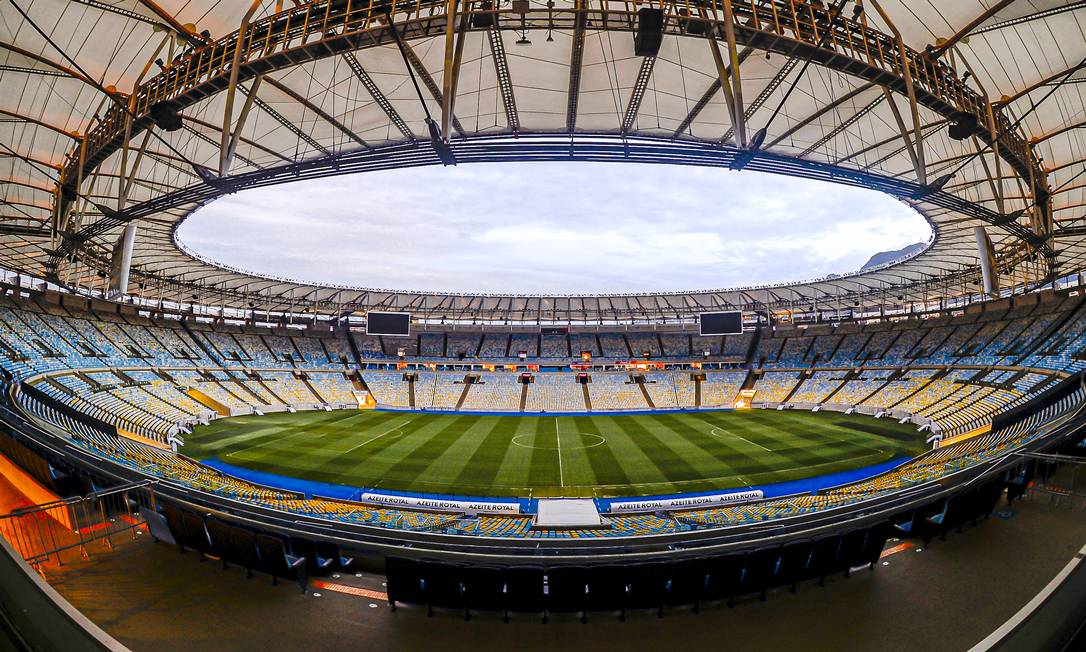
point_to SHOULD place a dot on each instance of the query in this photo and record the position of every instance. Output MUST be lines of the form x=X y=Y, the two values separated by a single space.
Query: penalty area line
x=716 y=433
x=375 y=437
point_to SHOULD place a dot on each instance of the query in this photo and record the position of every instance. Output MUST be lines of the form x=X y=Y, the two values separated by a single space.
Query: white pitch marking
x=715 y=432
x=558 y=436
x=391 y=430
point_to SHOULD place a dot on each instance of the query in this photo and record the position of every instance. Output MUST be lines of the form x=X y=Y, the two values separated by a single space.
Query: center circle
x=593 y=441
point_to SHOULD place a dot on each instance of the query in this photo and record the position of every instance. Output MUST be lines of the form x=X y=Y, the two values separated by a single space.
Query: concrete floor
x=946 y=597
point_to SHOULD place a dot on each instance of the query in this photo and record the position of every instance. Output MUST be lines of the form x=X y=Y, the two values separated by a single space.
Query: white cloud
x=552 y=227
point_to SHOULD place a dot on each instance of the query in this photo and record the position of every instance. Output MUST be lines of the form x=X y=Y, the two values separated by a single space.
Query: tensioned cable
x=97 y=85
x=834 y=11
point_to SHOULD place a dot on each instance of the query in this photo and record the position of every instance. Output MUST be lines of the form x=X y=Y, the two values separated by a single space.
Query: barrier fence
x=51 y=532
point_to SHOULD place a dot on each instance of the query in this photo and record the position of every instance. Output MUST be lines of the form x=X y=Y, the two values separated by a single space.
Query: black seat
x=822 y=559
x=850 y=554
x=441 y=585
x=793 y=564
x=877 y=536
x=647 y=586
x=524 y=590
x=219 y=535
x=331 y=551
x=761 y=568
x=243 y=549
x=195 y=534
x=176 y=523
x=315 y=564
x=607 y=589
x=687 y=582
x=484 y=589
x=275 y=561
x=724 y=576
x=567 y=590
x=403 y=581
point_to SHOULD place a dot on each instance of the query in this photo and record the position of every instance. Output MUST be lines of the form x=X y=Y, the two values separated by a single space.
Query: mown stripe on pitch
x=412 y=467
x=480 y=468
x=605 y=466
x=384 y=461
x=679 y=436
x=670 y=463
x=576 y=467
x=636 y=463
x=543 y=469
x=446 y=464
x=516 y=463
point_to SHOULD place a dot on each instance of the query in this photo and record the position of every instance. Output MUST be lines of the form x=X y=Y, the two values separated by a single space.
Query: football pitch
x=547 y=455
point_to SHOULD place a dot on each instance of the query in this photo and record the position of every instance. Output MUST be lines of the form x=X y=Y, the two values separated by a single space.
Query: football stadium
x=227 y=422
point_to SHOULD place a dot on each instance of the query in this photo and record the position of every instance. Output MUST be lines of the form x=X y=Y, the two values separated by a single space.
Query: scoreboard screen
x=722 y=323
x=396 y=324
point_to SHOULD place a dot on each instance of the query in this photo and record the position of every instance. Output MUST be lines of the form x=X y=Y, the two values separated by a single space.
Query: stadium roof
x=323 y=88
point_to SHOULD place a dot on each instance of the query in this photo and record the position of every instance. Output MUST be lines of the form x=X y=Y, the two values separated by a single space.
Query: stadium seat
x=606 y=591
x=525 y=591
x=724 y=576
x=793 y=564
x=484 y=589
x=275 y=561
x=442 y=586
x=687 y=583
x=195 y=533
x=851 y=552
x=647 y=586
x=218 y=533
x=761 y=567
x=243 y=546
x=157 y=526
x=403 y=581
x=567 y=590
x=821 y=562
x=332 y=551
x=315 y=563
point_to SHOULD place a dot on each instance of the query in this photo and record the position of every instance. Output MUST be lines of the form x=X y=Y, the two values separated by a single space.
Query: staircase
x=587 y=398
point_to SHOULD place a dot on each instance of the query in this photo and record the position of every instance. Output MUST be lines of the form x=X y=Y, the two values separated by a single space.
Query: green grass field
x=553 y=456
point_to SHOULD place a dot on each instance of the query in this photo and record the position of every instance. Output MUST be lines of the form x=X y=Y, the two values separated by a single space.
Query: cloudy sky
x=552 y=227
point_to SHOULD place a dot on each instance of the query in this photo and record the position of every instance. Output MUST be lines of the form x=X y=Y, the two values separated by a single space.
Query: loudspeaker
x=695 y=26
x=650 y=32
x=165 y=116
x=962 y=126
x=483 y=20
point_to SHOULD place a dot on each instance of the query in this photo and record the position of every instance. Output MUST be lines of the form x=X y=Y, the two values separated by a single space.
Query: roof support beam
x=501 y=70
x=576 y=57
x=25 y=118
x=844 y=125
x=910 y=91
x=282 y=120
x=48 y=62
x=323 y=115
x=431 y=85
x=448 y=80
x=1031 y=17
x=377 y=95
x=638 y=93
x=231 y=89
x=735 y=96
x=946 y=44
x=819 y=113
x=169 y=19
x=1052 y=134
x=766 y=92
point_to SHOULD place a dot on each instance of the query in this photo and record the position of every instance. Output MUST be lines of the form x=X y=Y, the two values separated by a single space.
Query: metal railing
x=53 y=532
x=1060 y=478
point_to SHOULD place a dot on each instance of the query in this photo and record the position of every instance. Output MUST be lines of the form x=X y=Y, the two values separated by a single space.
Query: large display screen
x=396 y=324
x=722 y=323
